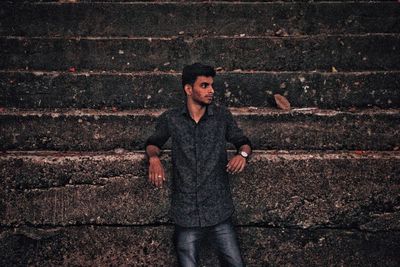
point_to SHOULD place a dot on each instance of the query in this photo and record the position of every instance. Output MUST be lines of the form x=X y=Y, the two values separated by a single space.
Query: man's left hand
x=236 y=164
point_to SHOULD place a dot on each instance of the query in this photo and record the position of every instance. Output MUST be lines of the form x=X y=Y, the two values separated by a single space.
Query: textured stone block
x=152 y=246
x=91 y=130
x=279 y=189
x=87 y=246
x=305 y=53
x=167 y=19
x=163 y=90
x=320 y=189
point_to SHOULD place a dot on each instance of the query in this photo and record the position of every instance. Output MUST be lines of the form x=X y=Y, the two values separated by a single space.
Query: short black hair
x=191 y=72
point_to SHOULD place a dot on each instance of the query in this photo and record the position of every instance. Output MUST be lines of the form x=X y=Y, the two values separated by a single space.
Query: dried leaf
x=282 y=102
x=281 y=33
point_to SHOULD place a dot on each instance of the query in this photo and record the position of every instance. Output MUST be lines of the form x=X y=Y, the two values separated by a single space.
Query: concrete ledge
x=152 y=246
x=306 y=53
x=295 y=189
x=91 y=130
x=37 y=89
x=153 y=19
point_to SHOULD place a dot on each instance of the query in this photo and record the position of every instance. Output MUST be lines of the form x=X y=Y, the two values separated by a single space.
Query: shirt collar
x=209 y=110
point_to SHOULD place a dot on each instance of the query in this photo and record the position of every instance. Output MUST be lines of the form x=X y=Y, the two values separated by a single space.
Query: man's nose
x=211 y=89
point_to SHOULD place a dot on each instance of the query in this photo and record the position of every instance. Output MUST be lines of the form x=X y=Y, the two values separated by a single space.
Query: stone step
x=152 y=246
x=305 y=53
x=91 y=130
x=126 y=90
x=295 y=189
x=171 y=19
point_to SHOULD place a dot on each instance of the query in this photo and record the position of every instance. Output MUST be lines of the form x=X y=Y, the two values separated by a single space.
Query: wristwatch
x=244 y=154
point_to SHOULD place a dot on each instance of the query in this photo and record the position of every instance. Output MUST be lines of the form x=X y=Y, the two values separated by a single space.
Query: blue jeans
x=222 y=236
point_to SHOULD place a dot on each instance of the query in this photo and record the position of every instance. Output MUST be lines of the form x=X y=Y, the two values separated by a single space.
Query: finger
x=163 y=174
x=232 y=164
x=156 y=182
x=151 y=177
x=159 y=179
x=242 y=166
x=154 y=179
x=228 y=167
x=236 y=166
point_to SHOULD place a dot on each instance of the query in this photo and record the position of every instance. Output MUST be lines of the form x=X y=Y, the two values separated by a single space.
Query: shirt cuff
x=152 y=142
x=241 y=142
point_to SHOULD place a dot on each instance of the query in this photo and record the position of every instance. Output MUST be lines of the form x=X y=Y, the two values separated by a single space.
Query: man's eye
x=203 y=85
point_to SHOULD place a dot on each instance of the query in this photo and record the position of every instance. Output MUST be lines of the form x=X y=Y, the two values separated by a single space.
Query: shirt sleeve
x=161 y=134
x=234 y=134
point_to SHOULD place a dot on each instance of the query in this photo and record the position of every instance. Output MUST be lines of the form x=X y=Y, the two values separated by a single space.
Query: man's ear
x=188 y=89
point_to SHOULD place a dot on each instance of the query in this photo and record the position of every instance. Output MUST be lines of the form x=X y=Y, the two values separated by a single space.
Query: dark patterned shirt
x=200 y=193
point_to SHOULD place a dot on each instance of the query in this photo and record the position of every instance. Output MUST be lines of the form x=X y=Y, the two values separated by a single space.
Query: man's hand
x=236 y=164
x=156 y=171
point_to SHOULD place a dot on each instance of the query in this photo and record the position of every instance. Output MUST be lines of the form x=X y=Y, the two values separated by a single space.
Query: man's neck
x=196 y=110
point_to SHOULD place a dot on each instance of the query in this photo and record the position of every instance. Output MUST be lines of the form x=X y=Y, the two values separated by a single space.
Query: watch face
x=244 y=154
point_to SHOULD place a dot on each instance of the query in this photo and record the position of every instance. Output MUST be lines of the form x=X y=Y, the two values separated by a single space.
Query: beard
x=202 y=101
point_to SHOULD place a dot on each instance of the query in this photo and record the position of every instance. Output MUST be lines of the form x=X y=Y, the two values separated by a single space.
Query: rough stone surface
x=152 y=246
x=321 y=190
x=93 y=130
x=121 y=60
x=87 y=246
x=287 y=247
x=168 y=19
x=305 y=53
x=76 y=189
x=163 y=90
x=279 y=189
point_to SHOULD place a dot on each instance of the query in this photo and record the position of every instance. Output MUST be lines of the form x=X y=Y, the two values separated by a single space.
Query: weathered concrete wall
x=82 y=84
x=151 y=246
x=279 y=188
x=55 y=89
x=293 y=208
x=312 y=129
x=155 y=19
x=276 y=129
x=345 y=53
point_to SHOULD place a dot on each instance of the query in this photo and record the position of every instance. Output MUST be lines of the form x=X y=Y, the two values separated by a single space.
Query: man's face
x=202 y=91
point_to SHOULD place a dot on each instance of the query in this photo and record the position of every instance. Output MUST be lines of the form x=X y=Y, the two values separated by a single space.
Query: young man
x=201 y=204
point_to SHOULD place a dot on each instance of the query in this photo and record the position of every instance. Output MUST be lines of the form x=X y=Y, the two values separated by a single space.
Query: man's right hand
x=156 y=171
